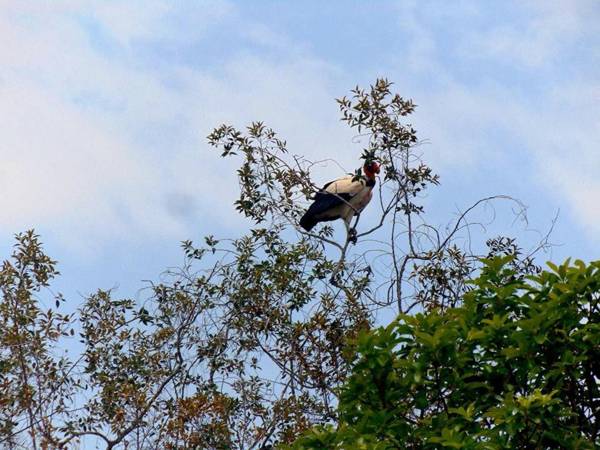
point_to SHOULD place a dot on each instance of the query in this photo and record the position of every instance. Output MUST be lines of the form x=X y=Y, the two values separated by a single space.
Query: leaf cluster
x=515 y=366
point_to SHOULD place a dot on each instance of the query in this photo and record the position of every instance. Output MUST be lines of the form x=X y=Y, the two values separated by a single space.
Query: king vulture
x=342 y=199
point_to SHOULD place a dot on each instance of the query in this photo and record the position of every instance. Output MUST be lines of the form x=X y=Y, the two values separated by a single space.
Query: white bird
x=342 y=199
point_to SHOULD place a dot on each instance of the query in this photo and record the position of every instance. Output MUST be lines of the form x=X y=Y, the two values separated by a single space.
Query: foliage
x=34 y=384
x=246 y=344
x=515 y=366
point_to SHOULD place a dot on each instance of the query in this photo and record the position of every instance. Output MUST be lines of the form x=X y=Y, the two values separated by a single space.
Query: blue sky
x=106 y=105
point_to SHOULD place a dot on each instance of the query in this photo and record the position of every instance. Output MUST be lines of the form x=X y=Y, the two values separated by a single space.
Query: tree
x=35 y=385
x=515 y=366
x=246 y=344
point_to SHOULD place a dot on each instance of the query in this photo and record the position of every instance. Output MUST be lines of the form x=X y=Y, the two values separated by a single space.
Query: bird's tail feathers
x=308 y=221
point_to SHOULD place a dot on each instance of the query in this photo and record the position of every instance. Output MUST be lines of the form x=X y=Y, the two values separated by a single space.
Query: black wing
x=324 y=201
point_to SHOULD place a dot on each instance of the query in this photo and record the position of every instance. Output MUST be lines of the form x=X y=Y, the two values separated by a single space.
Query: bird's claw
x=352 y=236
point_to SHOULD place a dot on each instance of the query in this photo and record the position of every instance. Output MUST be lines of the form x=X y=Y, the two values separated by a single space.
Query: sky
x=106 y=107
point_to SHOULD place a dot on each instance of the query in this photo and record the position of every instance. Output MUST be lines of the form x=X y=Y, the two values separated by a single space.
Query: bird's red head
x=371 y=168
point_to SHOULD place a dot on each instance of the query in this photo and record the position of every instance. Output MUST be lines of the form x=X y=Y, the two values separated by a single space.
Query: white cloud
x=100 y=143
x=564 y=135
x=98 y=147
x=65 y=167
x=470 y=119
x=62 y=168
x=550 y=28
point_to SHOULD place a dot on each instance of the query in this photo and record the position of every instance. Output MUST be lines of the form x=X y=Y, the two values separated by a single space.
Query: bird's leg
x=352 y=235
x=350 y=232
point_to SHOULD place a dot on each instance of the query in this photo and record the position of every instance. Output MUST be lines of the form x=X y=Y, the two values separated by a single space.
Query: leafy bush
x=517 y=365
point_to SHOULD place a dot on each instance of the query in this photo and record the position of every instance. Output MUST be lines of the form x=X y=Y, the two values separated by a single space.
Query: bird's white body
x=359 y=192
x=340 y=199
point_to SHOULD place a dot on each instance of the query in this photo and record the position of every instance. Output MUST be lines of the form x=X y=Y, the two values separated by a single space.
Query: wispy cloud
x=541 y=34
x=515 y=75
x=97 y=142
x=106 y=105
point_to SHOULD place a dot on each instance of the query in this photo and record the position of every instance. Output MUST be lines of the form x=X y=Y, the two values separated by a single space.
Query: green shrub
x=516 y=366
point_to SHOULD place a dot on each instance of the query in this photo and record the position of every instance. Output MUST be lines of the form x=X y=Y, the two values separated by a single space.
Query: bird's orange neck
x=369 y=174
x=371 y=170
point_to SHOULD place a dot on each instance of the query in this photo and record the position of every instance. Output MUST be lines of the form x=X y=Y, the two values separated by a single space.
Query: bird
x=342 y=199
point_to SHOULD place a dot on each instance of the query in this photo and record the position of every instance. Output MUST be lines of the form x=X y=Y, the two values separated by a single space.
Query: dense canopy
x=517 y=365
